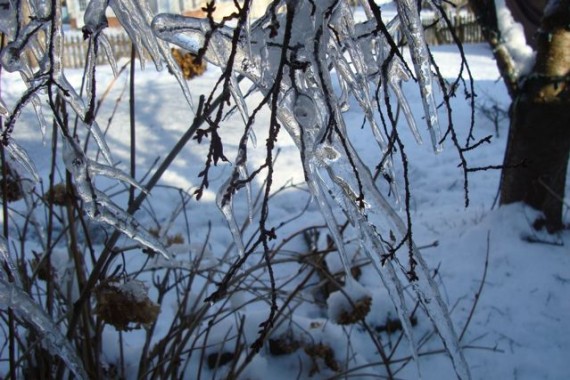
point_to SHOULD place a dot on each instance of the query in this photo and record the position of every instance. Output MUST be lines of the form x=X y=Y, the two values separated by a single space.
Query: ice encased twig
x=98 y=205
x=412 y=25
x=15 y=299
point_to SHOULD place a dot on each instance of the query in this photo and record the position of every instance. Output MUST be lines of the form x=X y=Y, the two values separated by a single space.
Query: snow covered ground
x=520 y=328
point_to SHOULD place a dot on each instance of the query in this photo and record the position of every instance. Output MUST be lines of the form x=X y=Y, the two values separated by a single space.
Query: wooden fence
x=437 y=32
x=75 y=49
x=464 y=24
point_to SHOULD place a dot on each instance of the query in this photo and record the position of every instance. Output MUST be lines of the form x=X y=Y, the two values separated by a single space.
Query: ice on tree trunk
x=289 y=55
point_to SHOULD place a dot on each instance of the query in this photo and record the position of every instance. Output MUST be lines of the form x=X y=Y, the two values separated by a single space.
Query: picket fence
x=75 y=49
x=464 y=24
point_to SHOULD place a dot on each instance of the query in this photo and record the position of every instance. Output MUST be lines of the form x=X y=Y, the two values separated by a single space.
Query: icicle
x=361 y=91
x=15 y=299
x=391 y=282
x=3 y=110
x=396 y=74
x=175 y=69
x=438 y=313
x=89 y=74
x=225 y=195
x=101 y=209
x=20 y=155
x=37 y=104
x=343 y=103
x=129 y=15
x=136 y=18
x=76 y=102
x=56 y=42
x=8 y=263
x=112 y=172
x=409 y=16
x=397 y=71
x=99 y=138
x=224 y=201
x=164 y=50
x=243 y=174
x=238 y=98
x=106 y=46
x=185 y=32
x=318 y=191
x=379 y=216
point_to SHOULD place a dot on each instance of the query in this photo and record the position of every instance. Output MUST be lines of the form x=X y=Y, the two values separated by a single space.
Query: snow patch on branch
x=513 y=38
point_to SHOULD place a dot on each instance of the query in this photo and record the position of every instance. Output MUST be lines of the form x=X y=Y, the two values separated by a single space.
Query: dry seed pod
x=44 y=271
x=12 y=185
x=350 y=305
x=57 y=195
x=324 y=352
x=283 y=345
x=121 y=304
x=358 y=313
x=188 y=63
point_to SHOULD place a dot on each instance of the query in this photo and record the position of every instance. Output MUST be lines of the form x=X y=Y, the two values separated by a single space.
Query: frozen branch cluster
x=289 y=55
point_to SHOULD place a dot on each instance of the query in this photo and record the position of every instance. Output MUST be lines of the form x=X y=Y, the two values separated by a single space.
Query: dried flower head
x=358 y=313
x=57 y=195
x=349 y=305
x=323 y=351
x=188 y=63
x=218 y=359
x=44 y=270
x=283 y=345
x=121 y=304
x=10 y=187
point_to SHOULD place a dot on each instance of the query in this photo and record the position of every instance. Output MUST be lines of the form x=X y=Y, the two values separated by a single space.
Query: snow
x=512 y=35
x=520 y=327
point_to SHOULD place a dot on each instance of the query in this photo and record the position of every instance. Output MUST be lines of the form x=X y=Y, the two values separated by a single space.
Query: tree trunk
x=538 y=148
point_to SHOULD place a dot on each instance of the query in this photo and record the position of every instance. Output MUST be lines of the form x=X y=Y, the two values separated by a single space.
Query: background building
x=76 y=9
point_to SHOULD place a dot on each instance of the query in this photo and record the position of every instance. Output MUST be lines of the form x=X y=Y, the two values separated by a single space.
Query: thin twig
x=478 y=293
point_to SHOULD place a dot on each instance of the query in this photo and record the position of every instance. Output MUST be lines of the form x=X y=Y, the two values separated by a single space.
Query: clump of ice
x=135 y=289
